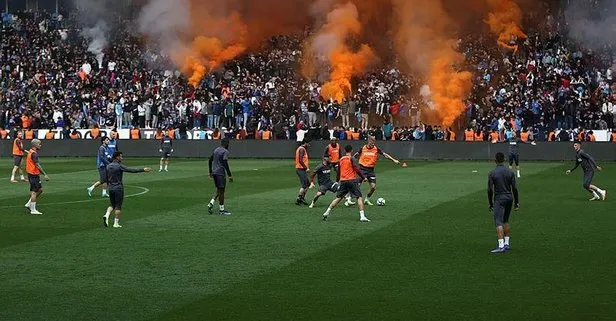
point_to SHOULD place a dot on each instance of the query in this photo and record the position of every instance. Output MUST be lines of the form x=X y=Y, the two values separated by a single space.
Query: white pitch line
x=143 y=191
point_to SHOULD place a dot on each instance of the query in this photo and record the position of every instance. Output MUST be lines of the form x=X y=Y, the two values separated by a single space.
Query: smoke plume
x=332 y=43
x=96 y=18
x=592 y=25
x=201 y=35
x=424 y=39
x=97 y=36
x=505 y=21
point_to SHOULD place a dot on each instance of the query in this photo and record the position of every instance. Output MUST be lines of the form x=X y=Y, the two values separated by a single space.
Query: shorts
x=303 y=178
x=330 y=187
x=369 y=174
x=514 y=158
x=349 y=187
x=165 y=153
x=116 y=198
x=588 y=179
x=502 y=211
x=102 y=175
x=220 y=181
x=35 y=183
x=17 y=160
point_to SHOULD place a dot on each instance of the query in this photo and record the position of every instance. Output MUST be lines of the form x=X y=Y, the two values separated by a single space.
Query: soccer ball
x=380 y=202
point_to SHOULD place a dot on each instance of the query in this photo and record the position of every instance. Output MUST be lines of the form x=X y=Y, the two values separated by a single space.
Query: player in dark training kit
x=502 y=195
x=588 y=166
x=323 y=174
x=115 y=173
x=219 y=166
x=514 y=153
x=165 y=149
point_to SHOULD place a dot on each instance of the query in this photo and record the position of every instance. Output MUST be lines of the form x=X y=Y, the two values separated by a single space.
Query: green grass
x=424 y=256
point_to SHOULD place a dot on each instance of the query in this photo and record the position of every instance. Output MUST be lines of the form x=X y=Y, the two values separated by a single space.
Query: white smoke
x=97 y=36
x=165 y=21
x=592 y=25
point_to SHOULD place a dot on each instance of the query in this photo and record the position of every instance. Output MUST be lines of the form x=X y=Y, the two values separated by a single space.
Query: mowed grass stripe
x=436 y=265
x=181 y=255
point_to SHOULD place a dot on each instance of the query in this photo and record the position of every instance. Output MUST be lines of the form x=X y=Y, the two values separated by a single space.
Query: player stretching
x=219 y=166
x=18 y=155
x=166 y=148
x=588 y=166
x=368 y=157
x=115 y=171
x=514 y=153
x=348 y=176
x=502 y=195
x=302 y=168
x=34 y=170
x=103 y=159
x=323 y=173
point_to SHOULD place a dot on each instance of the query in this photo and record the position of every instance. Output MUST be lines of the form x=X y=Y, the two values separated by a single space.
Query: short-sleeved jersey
x=166 y=143
x=220 y=155
x=323 y=173
x=369 y=156
x=513 y=145
x=18 y=147
x=31 y=162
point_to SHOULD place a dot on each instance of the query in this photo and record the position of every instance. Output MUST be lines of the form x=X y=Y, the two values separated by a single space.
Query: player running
x=368 y=157
x=502 y=195
x=18 y=155
x=34 y=170
x=219 y=166
x=348 y=177
x=301 y=169
x=166 y=148
x=323 y=174
x=103 y=158
x=514 y=153
x=588 y=166
x=115 y=171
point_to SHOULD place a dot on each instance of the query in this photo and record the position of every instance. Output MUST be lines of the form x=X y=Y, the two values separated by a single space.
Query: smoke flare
x=424 y=39
x=505 y=20
x=331 y=42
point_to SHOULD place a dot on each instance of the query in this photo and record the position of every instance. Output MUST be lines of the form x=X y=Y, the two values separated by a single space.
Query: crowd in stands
x=550 y=87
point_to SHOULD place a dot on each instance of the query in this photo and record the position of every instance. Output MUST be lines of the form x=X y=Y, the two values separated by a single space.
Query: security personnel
x=469 y=135
x=135 y=133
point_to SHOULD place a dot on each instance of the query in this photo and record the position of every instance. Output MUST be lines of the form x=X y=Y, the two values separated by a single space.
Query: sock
x=348 y=197
x=367 y=199
x=506 y=240
x=166 y=167
x=116 y=221
x=29 y=202
x=212 y=201
x=518 y=172
x=595 y=194
x=12 y=177
x=104 y=192
x=108 y=213
x=329 y=210
x=222 y=207
x=33 y=206
x=161 y=167
x=362 y=214
x=21 y=177
x=91 y=187
x=501 y=243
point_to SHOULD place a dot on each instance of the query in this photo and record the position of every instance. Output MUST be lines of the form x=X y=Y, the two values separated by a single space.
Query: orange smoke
x=424 y=39
x=505 y=20
x=331 y=42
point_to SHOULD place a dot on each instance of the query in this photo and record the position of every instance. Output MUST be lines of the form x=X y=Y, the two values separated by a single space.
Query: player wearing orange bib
x=18 y=154
x=368 y=157
x=34 y=170
x=348 y=174
x=333 y=152
x=301 y=169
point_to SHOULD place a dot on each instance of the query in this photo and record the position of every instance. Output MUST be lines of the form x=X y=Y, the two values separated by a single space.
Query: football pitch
x=425 y=255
